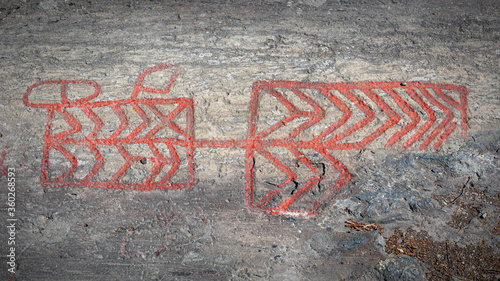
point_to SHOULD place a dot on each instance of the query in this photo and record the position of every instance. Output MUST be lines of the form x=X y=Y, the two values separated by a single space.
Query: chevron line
x=291 y=108
x=143 y=125
x=442 y=125
x=394 y=118
x=451 y=127
x=300 y=156
x=283 y=207
x=344 y=178
x=346 y=115
x=72 y=159
x=315 y=116
x=314 y=180
x=97 y=166
x=71 y=120
x=120 y=113
x=290 y=174
x=159 y=160
x=176 y=161
x=98 y=123
x=430 y=114
x=461 y=106
x=370 y=116
x=406 y=109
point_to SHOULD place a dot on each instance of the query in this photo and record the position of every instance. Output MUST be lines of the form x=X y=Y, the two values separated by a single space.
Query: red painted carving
x=258 y=141
x=57 y=141
x=3 y=169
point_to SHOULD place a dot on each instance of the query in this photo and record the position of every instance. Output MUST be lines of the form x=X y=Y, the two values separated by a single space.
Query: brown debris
x=446 y=261
x=496 y=230
x=362 y=226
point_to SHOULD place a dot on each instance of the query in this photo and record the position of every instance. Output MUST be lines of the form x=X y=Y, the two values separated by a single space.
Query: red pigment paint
x=259 y=142
x=57 y=141
x=255 y=142
x=3 y=169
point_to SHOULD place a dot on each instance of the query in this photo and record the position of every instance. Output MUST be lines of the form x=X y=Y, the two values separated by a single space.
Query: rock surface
x=223 y=47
